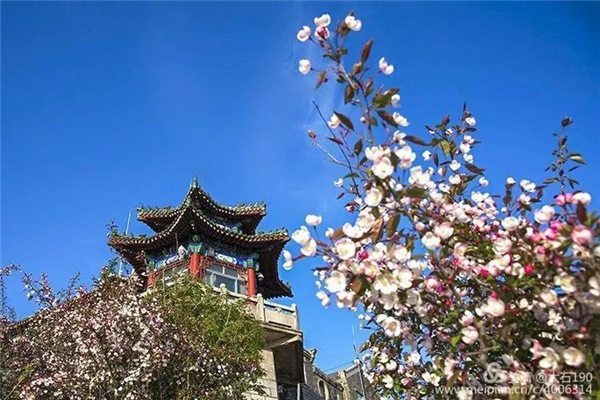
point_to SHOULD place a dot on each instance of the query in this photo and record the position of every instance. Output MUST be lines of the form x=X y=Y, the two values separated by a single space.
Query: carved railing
x=269 y=312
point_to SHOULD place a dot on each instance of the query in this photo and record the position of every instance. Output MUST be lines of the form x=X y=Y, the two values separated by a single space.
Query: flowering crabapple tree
x=112 y=342
x=450 y=278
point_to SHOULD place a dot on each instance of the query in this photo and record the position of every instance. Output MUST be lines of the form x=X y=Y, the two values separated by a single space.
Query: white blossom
x=582 y=198
x=313 y=220
x=400 y=119
x=334 y=121
x=373 y=197
x=443 y=230
x=323 y=21
x=345 y=248
x=289 y=260
x=310 y=248
x=384 y=67
x=304 y=33
x=494 y=307
x=527 y=185
x=470 y=334
x=431 y=241
x=304 y=66
x=573 y=357
x=510 y=223
x=383 y=168
x=352 y=23
x=301 y=236
x=336 y=282
x=545 y=214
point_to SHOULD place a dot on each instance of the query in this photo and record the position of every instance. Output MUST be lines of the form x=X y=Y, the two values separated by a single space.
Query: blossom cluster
x=114 y=342
x=449 y=276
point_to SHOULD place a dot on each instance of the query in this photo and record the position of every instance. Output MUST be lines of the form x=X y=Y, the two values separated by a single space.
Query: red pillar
x=251 y=283
x=195 y=266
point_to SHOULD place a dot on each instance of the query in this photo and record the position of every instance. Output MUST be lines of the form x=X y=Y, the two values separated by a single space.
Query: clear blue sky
x=106 y=106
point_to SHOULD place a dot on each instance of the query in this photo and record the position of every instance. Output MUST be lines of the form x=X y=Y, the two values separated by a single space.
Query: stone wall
x=350 y=379
x=269 y=381
x=319 y=385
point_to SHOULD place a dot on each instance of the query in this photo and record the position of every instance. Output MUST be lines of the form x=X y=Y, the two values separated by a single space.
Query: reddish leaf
x=387 y=117
x=345 y=120
x=366 y=51
x=415 y=140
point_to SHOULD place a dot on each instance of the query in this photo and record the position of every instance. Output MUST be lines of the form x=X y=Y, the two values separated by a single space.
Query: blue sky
x=107 y=106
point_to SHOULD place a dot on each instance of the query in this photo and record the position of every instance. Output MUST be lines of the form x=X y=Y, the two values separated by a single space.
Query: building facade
x=220 y=245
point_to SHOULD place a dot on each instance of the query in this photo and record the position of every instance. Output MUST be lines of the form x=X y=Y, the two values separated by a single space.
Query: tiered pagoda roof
x=248 y=215
x=199 y=214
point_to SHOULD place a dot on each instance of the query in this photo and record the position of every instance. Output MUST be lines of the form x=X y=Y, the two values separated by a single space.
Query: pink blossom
x=582 y=235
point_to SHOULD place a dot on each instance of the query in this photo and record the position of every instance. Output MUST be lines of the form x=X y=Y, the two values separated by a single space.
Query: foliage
x=111 y=342
x=219 y=350
x=464 y=289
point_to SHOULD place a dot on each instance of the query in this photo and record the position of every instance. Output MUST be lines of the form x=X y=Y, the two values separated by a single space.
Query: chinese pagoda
x=210 y=241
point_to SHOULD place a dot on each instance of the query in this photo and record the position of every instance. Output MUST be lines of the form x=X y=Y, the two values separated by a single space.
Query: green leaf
x=566 y=122
x=338 y=234
x=322 y=78
x=562 y=141
x=377 y=230
x=345 y=120
x=358 y=147
x=454 y=376
x=394 y=159
x=348 y=94
x=474 y=169
x=366 y=51
x=392 y=225
x=364 y=347
x=445 y=146
x=455 y=339
x=381 y=100
x=387 y=117
x=343 y=30
x=359 y=285
x=577 y=158
x=415 y=192
x=581 y=213
x=415 y=140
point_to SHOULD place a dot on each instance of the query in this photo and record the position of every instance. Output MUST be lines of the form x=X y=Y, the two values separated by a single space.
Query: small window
x=217 y=275
x=323 y=390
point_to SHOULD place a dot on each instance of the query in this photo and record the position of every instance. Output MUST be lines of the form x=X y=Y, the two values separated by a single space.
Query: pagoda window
x=218 y=274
